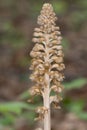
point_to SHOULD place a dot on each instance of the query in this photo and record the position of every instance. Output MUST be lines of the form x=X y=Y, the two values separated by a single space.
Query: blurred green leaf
x=76 y=106
x=77 y=83
x=35 y=10
x=77 y=19
x=15 y=107
x=65 y=44
x=82 y=115
x=82 y=3
x=11 y=110
x=7 y=26
x=8 y=119
x=12 y=35
x=24 y=95
x=60 y=6
x=30 y=116
x=72 y=105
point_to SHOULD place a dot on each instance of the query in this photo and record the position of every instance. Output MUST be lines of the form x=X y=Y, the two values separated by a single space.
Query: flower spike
x=47 y=63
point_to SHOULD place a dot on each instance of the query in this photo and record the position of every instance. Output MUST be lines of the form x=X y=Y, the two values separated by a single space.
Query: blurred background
x=18 y=18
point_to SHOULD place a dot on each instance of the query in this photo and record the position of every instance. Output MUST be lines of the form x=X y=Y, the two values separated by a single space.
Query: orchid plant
x=47 y=64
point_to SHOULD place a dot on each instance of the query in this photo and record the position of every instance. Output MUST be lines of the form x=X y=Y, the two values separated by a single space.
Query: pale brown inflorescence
x=47 y=57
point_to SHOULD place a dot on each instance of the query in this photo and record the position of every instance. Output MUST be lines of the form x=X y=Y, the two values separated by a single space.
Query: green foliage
x=24 y=95
x=82 y=115
x=75 y=84
x=12 y=35
x=60 y=7
x=11 y=110
x=7 y=119
x=82 y=4
x=65 y=44
x=77 y=18
x=36 y=99
x=29 y=115
x=75 y=107
x=15 y=107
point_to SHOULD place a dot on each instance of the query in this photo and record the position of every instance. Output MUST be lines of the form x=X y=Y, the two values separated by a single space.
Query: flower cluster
x=41 y=111
x=47 y=56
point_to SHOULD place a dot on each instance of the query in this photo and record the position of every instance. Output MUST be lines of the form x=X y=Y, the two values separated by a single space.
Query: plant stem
x=47 y=123
x=47 y=118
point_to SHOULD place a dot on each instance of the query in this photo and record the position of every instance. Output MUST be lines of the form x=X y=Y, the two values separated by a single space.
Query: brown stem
x=47 y=118
x=47 y=124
